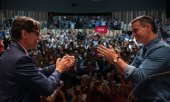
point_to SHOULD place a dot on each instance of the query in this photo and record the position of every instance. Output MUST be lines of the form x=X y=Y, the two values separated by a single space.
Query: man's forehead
x=135 y=25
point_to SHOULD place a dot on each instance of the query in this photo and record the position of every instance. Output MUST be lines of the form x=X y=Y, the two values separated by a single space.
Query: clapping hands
x=65 y=63
x=107 y=53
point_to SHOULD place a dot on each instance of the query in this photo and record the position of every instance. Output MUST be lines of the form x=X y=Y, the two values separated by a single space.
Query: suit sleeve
x=47 y=71
x=30 y=77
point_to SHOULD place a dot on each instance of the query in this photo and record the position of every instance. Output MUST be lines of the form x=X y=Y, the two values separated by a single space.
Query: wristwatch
x=115 y=60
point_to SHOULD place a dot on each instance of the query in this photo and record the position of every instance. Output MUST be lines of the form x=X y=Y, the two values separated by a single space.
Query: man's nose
x=39 y=38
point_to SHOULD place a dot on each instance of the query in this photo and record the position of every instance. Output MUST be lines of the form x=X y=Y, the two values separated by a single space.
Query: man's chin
x=34 y=48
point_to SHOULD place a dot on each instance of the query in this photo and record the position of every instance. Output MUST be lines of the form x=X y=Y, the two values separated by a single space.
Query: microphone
x=159 y=75
x=131 y=98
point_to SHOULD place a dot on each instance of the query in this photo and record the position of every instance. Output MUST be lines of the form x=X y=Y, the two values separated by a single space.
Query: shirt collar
x=26 y=52
x=152 y=42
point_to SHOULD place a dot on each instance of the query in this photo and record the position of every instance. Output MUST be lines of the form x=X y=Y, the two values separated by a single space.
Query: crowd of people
x=84 y=22
x=92 y=78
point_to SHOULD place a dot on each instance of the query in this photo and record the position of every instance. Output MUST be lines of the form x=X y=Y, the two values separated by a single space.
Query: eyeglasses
x=37 y=33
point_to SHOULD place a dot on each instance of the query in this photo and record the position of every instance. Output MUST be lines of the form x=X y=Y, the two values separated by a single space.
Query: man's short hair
x=146 y=20
x=23 y=23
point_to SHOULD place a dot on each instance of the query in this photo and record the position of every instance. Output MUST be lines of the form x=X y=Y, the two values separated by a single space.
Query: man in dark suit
x=20 y=80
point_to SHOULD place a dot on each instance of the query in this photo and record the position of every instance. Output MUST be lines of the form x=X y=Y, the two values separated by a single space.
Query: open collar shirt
x=151 y=59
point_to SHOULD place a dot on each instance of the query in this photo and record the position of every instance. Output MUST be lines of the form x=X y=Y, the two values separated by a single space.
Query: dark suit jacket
x=21 y=81
x=1 y=53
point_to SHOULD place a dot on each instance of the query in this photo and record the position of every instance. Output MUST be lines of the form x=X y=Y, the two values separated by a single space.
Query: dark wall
x=167 y=8
x=83 y=6
x=0 y=4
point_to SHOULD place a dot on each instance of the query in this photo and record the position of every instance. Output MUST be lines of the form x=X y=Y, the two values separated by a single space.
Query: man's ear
x=23 y=33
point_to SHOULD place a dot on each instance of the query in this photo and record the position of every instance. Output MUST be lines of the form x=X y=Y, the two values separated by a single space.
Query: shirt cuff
x=128 y=70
